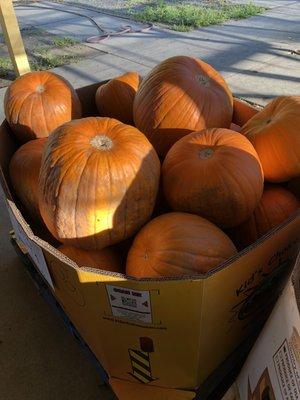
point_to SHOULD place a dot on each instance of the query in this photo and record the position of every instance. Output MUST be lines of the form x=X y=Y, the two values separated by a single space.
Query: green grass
x=184 y=17
x=40 y=60
x=64 y=41
x=44 y=59
x=5 y=63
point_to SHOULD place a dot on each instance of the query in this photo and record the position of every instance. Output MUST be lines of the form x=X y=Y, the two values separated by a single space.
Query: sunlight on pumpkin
x=101 y=219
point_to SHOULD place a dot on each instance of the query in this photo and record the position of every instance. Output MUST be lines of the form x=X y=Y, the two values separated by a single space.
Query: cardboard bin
x=166 y=333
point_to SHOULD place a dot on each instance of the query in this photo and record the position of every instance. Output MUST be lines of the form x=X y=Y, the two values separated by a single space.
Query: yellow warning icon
x=141 y=367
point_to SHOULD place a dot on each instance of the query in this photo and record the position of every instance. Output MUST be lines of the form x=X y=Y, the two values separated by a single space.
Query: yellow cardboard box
x=167 y=333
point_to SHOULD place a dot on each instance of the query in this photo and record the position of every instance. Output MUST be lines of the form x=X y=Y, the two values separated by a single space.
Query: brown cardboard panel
x=86 y=95
x=8 y=146
x=132 y=391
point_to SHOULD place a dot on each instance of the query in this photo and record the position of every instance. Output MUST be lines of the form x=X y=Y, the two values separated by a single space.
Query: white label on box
x=286 y=371
x=131 y=304
x=33 y=249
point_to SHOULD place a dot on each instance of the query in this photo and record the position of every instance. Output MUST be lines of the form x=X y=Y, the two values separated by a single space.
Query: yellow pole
x=13 y=38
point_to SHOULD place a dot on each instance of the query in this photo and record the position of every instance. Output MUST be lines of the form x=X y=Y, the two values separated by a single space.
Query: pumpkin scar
x=101 y=142
x=206 y=153
x=40 y=89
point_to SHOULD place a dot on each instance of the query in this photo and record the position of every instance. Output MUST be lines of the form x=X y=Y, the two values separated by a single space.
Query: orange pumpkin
x=180 y=95
x=105 y=259
x=242 y=111
x=275 y=206
x=98 y=182
x=38 y=102
x=115 y=98
x=214 y=173
x=24 y=169
x=274 y=132
x=178 y=244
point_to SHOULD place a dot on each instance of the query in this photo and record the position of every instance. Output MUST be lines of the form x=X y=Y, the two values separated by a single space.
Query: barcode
x=127 y=301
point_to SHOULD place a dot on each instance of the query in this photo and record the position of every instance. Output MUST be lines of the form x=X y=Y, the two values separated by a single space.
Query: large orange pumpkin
x=181 y=95
x=115 y=98
x=178 y=244
x=24 y=169
x=38 y=102
x=242 y=111
x=274 y=132
x=98 y=182
x=214 y=173
x=105 y=259
x=276 y=205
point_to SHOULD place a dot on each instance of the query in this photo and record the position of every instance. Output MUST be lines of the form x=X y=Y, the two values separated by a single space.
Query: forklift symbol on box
x=140 y=361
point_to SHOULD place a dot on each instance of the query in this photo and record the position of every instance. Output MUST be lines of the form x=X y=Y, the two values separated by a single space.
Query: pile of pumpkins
x=162 y=171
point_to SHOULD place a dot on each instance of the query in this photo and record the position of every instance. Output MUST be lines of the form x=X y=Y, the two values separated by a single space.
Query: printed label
x=33 y=249
x=287 y=374
x=131 y=304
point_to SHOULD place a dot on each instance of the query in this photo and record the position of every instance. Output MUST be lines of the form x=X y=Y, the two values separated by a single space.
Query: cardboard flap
x=135 y=391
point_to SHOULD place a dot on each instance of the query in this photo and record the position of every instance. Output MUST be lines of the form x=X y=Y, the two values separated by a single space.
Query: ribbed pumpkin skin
x=38 y=102
x=275 y=206
x=178 y=244
x=24 y=171
x=115 y=98
x=274 y=132
x=214 y=173
x=181 y=95
x=98 y=182
x=105 y=259
x=242 y=111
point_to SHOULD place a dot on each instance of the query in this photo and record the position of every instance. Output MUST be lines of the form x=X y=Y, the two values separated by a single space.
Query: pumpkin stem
x=206 y=153
x=101 y=142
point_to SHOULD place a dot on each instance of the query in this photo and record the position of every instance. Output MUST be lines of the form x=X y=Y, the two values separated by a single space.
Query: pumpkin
x=98 y=182
x=235 y=127
x=24 y=171
x=180 y=95
x=214 y=173
x=275 y=206
x=38 y=102
x=242 y=111
x=105 y=259
x=115 y=98
x=274 y=132
x=177 y=244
